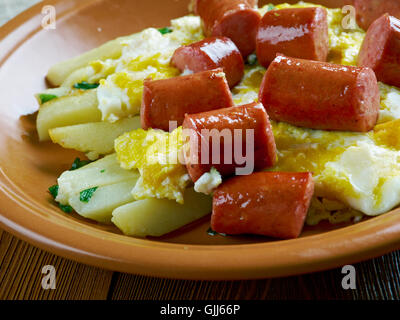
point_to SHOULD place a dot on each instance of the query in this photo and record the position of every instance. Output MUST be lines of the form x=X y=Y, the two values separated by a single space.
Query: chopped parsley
x=85 y=85
x=252 y=59
x=44 y=97
x=66 y=209
x=165 y=30
x=78 y=163
x=213 y=233
x=87 y=194
x=102 y=171
x=54 y=191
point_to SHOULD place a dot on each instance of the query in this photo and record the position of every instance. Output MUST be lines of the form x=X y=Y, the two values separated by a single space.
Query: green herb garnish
x=85 y=85
x=102 y=171
x=66 y=209
x=78 y=163
x=87 y=194
x=271 y=7
x=44 y=97
x=54 y=191
x=213 y=233
x=165 y=30
x=252 y=59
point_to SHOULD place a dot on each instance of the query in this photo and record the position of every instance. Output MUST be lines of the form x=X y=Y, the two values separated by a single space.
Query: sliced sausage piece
x=381 y=50
x=234 y=19
x=226 y=138
x=320 y=95
x=211 y=53
x=299 y=32
x=273 y=204
x=326 y=3
x=170 y=99
x=370 y=10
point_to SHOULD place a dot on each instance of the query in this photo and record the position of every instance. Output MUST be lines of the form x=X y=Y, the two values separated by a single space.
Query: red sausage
x=261 y=152
x=381 y=50
x=300 y=33
x=273 y=204
x=320 y=95
x=370 y=10
x=234 y=19
x=170 y=99
x=211 y=53
x=326 y=3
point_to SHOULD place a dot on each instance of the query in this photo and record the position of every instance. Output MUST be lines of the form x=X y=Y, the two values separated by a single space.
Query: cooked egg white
x=208 y=182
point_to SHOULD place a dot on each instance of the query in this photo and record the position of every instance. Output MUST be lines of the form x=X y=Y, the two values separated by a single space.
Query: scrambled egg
x=158 y=157
x=147 y=55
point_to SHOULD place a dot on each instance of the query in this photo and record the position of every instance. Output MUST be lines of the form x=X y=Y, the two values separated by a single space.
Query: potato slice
x=104 y=201
x=100 y=173
x=155 y=217
x=65 y=111
x=110 y=50
x=97 y=138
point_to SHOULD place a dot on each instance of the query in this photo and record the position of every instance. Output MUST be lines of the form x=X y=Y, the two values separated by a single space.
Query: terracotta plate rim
x=32 y=222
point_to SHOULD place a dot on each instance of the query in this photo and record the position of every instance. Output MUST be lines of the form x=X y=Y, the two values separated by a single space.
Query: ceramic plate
x=28 y=168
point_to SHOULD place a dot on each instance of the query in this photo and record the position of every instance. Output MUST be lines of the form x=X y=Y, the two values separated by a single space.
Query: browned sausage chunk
x=273 y=204
x=381 y=50
x=320 y=95
x=220 y=139
x=234 y=19
x=300 y=33
x=370 y=10
x=211 y=53
x=170 y=99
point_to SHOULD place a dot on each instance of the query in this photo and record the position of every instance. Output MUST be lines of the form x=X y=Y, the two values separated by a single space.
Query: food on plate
x=370 y=10
x=254 y=204
x=170 y=99
x=381 y=50
x=298 y=32
x=320 y=95
x=156 y=217
x=156 y=154
x=329 y=124
x=233 y=140
x=77 y=108
x=94 y=139
x=211 y=53
x=110 y=50
x=235 y=19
